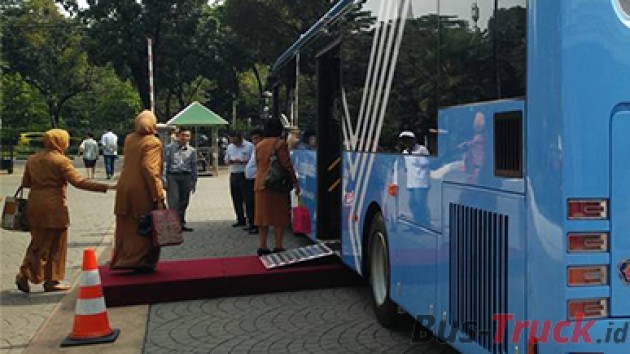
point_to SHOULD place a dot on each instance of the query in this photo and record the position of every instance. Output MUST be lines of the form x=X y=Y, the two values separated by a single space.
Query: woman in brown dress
x=47 y=174
x=139 y=191
x=272 y=207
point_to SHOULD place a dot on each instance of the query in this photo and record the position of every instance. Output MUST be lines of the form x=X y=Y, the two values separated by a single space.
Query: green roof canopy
x=196 y=115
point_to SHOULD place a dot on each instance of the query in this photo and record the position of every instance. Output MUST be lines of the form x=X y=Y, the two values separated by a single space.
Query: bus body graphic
x=484 y=162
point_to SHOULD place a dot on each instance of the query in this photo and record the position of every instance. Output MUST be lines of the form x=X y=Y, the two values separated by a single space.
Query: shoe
x=187 y=229
x=144 y=270
x=22 y=284
x=240 y=223
x=253 y=231
x=276 y=250
x=246 y=228
x=55 y=286
x=263 y=251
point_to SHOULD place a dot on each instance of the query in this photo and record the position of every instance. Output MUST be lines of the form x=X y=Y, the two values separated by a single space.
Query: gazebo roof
x=197 y=115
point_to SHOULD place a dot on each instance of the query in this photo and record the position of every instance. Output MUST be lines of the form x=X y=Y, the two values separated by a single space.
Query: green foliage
x=22 y=107
x=110 y=103
x=44 y=47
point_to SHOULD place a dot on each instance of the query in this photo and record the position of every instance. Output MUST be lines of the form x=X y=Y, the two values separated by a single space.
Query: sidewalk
x=92 y=219
x=320 y=321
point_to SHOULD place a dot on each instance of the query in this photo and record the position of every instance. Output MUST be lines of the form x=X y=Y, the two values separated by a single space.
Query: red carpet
x=219 y=277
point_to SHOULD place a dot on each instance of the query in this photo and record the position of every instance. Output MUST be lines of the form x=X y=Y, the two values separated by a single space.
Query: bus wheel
x=385 y=310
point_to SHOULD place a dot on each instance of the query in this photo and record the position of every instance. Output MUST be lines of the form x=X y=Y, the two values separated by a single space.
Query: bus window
x=482 y=50
x=412 y=104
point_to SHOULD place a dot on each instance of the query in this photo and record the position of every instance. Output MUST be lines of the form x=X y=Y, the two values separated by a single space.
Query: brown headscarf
x=56 y=140
x=146 y=123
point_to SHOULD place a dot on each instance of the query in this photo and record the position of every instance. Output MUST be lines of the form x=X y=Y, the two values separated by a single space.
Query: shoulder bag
x=277 y=178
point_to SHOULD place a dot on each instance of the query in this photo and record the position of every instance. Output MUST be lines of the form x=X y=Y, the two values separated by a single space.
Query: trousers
x=178 y=193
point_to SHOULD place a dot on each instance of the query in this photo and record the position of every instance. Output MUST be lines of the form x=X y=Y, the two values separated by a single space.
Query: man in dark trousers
x=250 y=175
x=237 y=155
x=180 y=174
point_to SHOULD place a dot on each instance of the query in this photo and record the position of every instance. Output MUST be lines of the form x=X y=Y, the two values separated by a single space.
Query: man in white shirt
x=89 y=150
x=250 y=175
x=418 y=174
x=109 y=141
x=237 y=155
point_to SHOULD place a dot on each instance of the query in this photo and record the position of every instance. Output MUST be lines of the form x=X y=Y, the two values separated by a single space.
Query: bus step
x=296 y=255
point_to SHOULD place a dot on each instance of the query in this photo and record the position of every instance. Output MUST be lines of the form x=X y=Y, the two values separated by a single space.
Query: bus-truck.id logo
x=624 y=271
x=539 y=331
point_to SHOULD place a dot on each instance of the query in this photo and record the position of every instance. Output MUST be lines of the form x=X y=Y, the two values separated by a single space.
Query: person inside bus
x=417 y=167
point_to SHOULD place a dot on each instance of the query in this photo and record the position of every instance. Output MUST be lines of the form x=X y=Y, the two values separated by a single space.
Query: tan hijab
x=56 y=140
x=146 y=123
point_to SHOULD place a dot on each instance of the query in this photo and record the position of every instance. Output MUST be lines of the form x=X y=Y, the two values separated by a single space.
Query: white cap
x=407 y=134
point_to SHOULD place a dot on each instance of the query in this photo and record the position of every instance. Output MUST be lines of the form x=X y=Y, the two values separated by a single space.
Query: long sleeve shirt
x=180 y=158
x=238 y=153
x=251 y=167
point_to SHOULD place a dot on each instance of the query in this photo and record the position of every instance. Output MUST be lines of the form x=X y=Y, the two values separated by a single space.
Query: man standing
x=109 y=141
x=89 y=150
x=237 y=155
x=417 y=166
x=180 y=174
x=250 y=177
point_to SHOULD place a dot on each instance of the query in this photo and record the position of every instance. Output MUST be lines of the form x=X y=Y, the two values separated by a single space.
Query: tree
x=22 y=107
x=110 y=103
x=44 y=47
x=186 y=45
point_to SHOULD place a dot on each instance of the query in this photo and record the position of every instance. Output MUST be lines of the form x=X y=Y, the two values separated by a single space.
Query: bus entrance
x=329 y=144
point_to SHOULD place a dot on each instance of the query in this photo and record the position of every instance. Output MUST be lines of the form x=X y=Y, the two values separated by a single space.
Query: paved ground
x=22 y=315
x=321 y=321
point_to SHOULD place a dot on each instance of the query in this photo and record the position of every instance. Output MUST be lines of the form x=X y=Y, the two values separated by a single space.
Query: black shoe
x=187 y=229
x=240 y=223
x=263 y=251
x=253 y=231
x=276 y=250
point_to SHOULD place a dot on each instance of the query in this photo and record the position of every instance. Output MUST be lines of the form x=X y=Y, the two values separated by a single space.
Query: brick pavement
x=22 y=315
x=320 y=321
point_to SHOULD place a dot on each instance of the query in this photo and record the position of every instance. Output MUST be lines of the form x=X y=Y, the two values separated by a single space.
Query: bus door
x=620 y=216
x=328 y=144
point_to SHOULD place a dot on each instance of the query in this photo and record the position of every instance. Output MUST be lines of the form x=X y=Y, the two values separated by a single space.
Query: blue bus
x=472 y=157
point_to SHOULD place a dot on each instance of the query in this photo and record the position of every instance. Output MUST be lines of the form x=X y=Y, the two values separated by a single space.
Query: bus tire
x=385 y=309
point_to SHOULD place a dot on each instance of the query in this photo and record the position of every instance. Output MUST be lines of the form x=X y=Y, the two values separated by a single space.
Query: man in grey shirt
x=180 y=174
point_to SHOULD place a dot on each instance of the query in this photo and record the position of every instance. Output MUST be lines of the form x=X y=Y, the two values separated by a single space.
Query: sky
x=461 y=8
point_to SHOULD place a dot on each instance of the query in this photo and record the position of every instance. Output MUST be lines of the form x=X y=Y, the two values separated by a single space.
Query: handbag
x=277 y=178
x=14 y=212
x=166 y=228
x=301 y=223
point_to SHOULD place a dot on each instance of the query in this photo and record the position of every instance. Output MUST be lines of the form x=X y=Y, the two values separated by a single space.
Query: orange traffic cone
x=91 y=325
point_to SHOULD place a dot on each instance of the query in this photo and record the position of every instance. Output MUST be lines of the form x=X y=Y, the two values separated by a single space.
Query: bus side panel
x=481 y=265
x=364 y=183
x=305 y=165
x=620 y=218
x=466 y=145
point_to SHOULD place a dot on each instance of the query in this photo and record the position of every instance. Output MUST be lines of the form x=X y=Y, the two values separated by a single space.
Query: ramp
x=298 y=255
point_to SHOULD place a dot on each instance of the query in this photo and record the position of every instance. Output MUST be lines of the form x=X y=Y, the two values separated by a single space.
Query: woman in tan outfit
x=139 y=191
x=272 y=207
x=47 y=174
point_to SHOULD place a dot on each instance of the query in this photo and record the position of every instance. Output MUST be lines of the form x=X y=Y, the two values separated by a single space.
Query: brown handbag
x=167 y=229
x=14 y=212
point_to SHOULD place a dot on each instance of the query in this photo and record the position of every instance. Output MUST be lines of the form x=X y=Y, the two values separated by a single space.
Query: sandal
x=55 y=286
x=263 y=252
x=22 y=284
